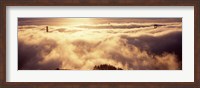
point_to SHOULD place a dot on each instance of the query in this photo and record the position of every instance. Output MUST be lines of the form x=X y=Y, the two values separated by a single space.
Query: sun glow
x=79 y=21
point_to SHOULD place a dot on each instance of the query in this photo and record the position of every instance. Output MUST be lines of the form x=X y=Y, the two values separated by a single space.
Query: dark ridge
x=62 y=69
x=106 y=67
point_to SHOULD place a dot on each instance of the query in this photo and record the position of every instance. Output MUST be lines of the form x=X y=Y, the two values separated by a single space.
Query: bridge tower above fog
x=47 y=29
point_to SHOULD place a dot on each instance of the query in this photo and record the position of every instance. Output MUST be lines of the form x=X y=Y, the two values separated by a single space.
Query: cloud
x=114 y=26
x=171 y=43
x=65 y=48
x=30 y=55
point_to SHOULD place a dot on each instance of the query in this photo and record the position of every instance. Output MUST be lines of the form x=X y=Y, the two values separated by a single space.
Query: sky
x=82 y=43
x=73 y=21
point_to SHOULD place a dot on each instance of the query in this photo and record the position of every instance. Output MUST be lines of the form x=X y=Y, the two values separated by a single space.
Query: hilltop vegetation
x=106 y=67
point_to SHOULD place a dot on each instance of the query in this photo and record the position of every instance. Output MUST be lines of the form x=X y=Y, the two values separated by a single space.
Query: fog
x=130 y=46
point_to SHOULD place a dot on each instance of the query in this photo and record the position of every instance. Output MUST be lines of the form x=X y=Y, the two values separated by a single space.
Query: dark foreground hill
x=106 y=67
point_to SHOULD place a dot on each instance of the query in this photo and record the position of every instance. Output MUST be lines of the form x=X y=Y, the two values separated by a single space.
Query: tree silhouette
x=106 y=67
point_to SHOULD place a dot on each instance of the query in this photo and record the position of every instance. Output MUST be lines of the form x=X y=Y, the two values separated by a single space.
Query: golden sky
x=75 y=21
